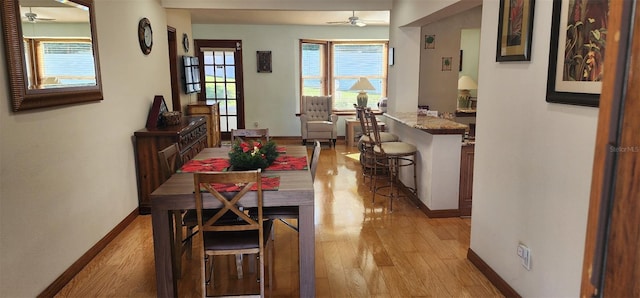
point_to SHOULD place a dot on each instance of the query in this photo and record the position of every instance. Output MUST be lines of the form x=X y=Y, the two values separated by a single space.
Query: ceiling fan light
x=360 y=24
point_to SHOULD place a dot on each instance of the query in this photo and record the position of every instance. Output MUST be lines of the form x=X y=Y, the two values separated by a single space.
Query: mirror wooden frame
x=23 y=98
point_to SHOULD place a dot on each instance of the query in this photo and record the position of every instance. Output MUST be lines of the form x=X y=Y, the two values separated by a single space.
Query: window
x=332 y=67
x=59 y=63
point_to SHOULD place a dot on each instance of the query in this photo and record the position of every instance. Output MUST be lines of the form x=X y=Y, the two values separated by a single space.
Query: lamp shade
x=466 y=83
x=362 y=84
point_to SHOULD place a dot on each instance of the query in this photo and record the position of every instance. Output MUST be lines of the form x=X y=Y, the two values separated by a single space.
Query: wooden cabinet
x=211 y=112
x=191 y=136
x=466 y=179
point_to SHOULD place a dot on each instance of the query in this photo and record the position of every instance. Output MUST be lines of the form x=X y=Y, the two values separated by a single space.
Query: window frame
x=328 y=79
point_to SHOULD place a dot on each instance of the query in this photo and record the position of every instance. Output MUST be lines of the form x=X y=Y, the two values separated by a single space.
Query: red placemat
x=271 y=182
x=215 y=164
x=288 y=163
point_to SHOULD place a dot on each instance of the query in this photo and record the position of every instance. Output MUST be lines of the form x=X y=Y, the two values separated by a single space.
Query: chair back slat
x=232 y=202
x=169 y=160
x=373 y=123
x=315 y=157
x=252 y=133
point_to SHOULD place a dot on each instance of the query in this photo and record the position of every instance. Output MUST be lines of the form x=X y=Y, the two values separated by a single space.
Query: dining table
x=177 y=193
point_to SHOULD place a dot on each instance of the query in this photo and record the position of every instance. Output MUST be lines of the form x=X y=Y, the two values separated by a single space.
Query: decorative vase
x=362 y=99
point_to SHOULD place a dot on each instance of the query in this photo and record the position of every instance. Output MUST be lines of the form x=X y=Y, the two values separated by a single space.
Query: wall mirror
x=51 y=51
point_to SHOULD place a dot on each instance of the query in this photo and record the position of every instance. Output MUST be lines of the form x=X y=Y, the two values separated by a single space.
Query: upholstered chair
x=317 y=119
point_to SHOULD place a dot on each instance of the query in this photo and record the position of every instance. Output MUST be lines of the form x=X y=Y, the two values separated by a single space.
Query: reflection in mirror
x=57 y=44
x=52 y=53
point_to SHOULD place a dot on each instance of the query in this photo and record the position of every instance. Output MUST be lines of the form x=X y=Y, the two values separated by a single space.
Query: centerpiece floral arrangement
x=251 y=155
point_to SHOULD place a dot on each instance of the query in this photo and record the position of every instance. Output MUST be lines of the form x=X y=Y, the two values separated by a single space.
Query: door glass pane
x=208 y=73
x=229 y=58
x=231 y=90
x=210 y=90
x=223 y=124
x=219 y=74
x=208 y=57
x=232 y=108
x=218 y=57
x=220 y=91
x=233 y=122
x=231 y=73
x=223 y=107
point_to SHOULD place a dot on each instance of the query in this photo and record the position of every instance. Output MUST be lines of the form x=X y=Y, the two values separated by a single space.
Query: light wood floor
x=362 y=250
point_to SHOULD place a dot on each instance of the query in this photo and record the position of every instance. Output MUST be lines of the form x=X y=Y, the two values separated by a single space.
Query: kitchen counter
x=439 y=144
x=432 y=125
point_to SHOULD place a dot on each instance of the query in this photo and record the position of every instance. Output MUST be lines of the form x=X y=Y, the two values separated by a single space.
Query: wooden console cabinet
x=191 y=136
x=211 y=112
x=466 y=179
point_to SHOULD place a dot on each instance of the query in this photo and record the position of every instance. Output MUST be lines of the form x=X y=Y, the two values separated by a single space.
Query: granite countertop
x=432 y=125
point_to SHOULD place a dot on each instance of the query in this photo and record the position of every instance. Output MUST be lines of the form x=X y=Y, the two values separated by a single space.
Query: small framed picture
x=264 y=61
x=446 y=63
x=515 y=23
x=430 y=41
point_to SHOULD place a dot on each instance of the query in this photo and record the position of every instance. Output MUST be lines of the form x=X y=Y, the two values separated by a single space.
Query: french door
x=221 y=80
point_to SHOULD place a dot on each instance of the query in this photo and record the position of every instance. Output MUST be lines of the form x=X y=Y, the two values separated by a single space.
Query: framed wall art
x=430 y=41
x=446 y=63
x=577 y=51
x=515 y=23
x=264 y=61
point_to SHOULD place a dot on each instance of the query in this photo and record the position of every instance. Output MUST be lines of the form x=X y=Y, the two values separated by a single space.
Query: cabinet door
x=466 y=180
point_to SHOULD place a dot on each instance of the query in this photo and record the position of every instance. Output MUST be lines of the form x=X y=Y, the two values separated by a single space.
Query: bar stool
x=393 y=155
x=366 y=142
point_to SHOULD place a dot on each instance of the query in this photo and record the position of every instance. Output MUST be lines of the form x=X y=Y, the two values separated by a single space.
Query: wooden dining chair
x=284 y=213
x=169 y=161
x=246 y=235
x=250 y=133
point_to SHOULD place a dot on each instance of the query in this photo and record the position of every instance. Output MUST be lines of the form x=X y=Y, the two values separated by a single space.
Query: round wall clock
x=145 y=36
x=185 y=42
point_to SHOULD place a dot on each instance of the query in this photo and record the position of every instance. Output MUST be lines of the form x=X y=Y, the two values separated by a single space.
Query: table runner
x=216 y=164
x=288 y=163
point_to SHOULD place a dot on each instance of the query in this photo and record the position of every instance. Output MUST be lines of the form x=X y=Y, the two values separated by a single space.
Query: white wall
x=67 y=175
x=533 y=164
x=273 y=99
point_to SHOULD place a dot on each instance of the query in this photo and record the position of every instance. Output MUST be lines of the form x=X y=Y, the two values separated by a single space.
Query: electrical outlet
x=525 y=256
x=255 y=124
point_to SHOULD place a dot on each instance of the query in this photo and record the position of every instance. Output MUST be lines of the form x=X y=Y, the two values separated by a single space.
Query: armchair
x=317 y=119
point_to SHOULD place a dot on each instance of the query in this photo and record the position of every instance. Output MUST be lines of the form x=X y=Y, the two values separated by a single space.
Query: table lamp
x=465 y=83
x=361 y=85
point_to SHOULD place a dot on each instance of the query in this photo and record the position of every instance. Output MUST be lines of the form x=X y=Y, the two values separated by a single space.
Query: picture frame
x=154 y=118
x=264 y=61
x=515 y=26
x=430 y=41
x=575 y=72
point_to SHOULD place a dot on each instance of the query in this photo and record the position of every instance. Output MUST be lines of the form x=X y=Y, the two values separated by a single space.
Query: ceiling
x=59 y=12
x=286 y=17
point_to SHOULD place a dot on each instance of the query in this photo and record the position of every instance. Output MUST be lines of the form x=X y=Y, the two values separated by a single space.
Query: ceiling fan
x=33 y=17
x=353 y=20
